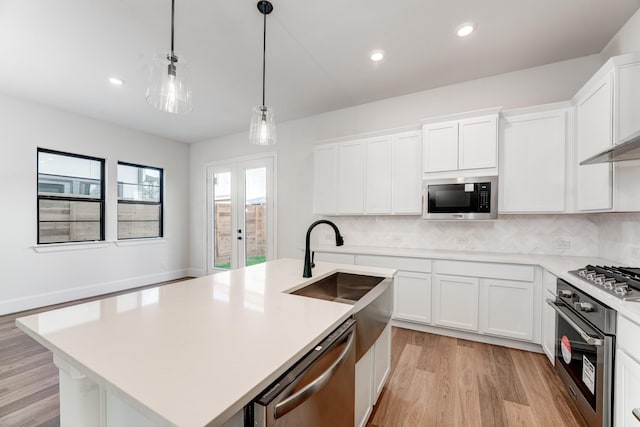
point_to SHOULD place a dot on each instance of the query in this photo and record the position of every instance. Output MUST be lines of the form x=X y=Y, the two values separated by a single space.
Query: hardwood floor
x=441 y=381
x=434 y=381
x=28 y=377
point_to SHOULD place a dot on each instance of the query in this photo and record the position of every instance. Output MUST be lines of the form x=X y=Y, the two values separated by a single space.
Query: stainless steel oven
x=460 y=198
x=585 y=345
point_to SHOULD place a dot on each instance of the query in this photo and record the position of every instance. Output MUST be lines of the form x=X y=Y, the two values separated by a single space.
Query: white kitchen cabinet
x=478 y=143
x=351 y=177
x=440 y=147
x=412 y=297
x=372 y=371
x=627 y=390
x=381 y=362
x=407 y=174
x=548 y=340
x=364 y=387
x=533 y=155
x=594 y=115
x=378 y=175
x=325 y=179
x=461 y=142
x=507 y=308
x=455 y=302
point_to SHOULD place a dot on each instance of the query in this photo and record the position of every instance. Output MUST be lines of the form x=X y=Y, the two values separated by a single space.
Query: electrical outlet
x=462 y=240
x=563 y=244
x=396 y=239
x=635 y=252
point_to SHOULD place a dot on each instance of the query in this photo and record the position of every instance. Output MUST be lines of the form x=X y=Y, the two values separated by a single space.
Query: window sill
x=75 y=246
x=135 y=242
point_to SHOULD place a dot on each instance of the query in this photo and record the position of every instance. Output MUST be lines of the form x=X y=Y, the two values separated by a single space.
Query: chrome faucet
x=308 y=261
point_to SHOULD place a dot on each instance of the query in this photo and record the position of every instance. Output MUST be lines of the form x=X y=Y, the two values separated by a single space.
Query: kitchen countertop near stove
x=193 y=353
x=557 y=265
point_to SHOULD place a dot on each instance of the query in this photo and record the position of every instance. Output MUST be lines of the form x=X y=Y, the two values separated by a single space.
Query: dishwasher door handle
x=307 y=391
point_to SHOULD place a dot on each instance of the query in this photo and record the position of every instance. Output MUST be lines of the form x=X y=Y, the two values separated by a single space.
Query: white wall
x=627 y=40
x=539 y=85
x=30 y=279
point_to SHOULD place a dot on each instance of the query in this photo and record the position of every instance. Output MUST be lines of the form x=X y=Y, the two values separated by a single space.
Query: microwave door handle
x=299 y=397
x=588 y=338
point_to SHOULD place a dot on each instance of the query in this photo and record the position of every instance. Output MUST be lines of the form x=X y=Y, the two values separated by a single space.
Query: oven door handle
x=585 y=336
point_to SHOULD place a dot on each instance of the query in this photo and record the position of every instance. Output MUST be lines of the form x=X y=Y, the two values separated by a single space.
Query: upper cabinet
x=607 y=112
x=378 y=175
x=533 y=159
x=468 y=143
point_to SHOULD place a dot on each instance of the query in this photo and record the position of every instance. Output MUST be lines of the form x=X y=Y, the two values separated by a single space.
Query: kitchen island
x=193 y=353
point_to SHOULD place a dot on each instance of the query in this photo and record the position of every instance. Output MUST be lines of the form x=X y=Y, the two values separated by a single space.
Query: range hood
x=628 y=149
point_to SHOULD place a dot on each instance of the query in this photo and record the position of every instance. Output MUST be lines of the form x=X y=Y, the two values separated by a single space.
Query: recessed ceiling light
x=116 y=81
x=377 y=55
x=465 y=29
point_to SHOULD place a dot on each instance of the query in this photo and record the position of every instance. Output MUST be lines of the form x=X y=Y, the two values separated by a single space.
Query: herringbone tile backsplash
x=536 y=234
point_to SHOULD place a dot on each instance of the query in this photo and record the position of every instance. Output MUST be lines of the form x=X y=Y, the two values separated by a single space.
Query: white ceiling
x=62 y=52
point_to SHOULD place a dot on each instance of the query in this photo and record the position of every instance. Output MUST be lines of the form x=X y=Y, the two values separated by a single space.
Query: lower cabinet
x=507 y=308
x=455 y=302
x=548 y=338
x=412 y=296
x=627 y=391
x=372 y=371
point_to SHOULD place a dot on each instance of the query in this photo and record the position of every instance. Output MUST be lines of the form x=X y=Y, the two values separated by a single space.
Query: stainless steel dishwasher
x=318 y=391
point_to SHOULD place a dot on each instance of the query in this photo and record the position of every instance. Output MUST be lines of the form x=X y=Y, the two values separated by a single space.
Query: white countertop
x=194 y=353
x=555 y=264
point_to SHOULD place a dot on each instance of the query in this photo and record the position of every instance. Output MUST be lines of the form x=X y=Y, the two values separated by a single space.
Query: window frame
x=159 y=203
x=101 y=200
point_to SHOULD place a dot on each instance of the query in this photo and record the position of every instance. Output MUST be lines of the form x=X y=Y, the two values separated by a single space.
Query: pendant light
x=169 y=89
x=263 y=127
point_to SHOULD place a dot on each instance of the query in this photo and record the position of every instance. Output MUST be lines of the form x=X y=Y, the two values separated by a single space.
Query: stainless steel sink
x=372 y=299
x=340 y=287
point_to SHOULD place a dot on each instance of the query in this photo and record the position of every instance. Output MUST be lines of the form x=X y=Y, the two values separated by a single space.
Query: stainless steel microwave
x=460 y=198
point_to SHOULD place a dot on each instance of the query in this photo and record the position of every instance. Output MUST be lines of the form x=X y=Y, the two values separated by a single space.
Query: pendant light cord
x=264 y=50
x=173 y=5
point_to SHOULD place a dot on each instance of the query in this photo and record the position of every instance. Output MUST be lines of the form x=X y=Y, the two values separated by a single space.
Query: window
x=139 y=201
x=70 y=197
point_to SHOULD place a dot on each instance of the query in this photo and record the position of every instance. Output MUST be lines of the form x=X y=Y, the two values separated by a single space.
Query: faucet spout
x=308 y=265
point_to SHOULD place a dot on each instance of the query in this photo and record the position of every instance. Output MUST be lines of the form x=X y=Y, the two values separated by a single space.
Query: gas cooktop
x=623 y=282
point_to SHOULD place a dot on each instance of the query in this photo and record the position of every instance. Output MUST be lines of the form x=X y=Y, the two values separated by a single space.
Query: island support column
x=79 y=397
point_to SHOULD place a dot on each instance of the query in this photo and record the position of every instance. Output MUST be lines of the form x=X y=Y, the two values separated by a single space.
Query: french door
x=241 y=213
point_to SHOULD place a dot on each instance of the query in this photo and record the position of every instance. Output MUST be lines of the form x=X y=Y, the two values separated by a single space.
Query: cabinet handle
x=636 y=413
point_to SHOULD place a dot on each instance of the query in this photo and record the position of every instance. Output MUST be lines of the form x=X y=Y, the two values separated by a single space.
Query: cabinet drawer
x=334 y=257
x=627 y=337
x=523 y=273
x=406 y=264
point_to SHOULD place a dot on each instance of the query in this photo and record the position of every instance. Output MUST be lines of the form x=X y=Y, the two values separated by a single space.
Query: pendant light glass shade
x=168 y=87
x=263 y=127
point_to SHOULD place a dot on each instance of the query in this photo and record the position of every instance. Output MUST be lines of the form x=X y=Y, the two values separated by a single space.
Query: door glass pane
x=255 y=215
x=222 y=220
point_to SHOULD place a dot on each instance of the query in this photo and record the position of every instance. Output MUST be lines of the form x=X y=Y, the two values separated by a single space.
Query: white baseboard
x=196 y=272
x=471 y=336
x=42 y=300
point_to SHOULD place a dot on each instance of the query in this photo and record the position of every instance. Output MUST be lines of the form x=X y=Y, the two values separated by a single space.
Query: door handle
x=636 y=413
x=296 y=399
x=585 y=336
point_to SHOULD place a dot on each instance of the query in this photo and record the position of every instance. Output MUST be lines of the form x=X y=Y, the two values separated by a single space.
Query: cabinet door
x=381 y=362
x=594 y=134
x=364 y=385
x=478 y=143
x=440 y=147
x=532 y=162
x=407 y=174
x=507 y=308
x=549 y=317
x=325 y=179
x=455 y=302
x=351 y=178
x=628 y=96
x=627 y=391
x=412 y=297
x=378 y=176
